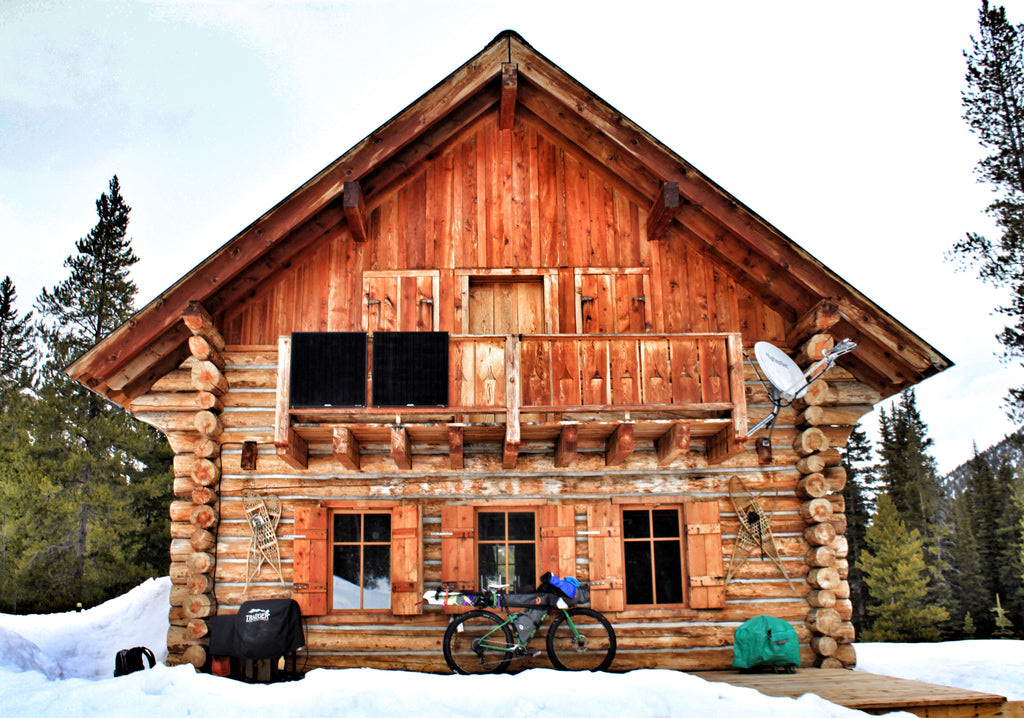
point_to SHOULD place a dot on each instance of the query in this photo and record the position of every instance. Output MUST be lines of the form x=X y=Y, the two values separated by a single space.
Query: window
x=366 y=554
x=507 y=549
x=653 y=552
x=361 y=561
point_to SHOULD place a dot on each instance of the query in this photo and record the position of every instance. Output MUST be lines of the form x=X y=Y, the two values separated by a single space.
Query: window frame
x=362 y=543
x=651 y=541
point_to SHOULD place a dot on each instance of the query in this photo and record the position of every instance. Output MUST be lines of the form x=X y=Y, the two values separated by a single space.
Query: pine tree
x=95 y=469
x=897 y=581
x=859 y=493
x=1009 y=515
x=17 y=351
x=994 y=109
x=971 y=591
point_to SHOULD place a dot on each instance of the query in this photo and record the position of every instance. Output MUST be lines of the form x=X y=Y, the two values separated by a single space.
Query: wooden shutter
x=406 y=561
x=458 y=559
x=558 y=540
x=309 y=554
x=607 y=585
x=704 y=565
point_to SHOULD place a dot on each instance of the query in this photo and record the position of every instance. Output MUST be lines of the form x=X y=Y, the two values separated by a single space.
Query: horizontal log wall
x=686 y=639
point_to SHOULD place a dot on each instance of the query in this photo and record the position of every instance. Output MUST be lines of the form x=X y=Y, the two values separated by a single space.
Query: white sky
x=839 y=123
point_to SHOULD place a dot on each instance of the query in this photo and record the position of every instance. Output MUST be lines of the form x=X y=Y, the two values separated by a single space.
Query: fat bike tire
x=476 y=643
x=594 y=650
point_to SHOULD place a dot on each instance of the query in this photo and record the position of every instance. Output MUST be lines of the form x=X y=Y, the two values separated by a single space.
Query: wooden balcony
x=565 y=391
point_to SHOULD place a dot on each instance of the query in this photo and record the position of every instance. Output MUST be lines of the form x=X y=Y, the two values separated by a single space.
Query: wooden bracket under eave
x=401 y=450
x=293 y=450
x=724 y=444
x=673 y=444
x=509 y=86
x=355 y=210
x=456 y=444
x=822 y=317
x=663 y=211
x=345 y=447
x=619 y=445
x=567 y=445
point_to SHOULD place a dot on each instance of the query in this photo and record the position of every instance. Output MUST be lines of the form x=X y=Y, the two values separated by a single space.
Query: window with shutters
x=503 y=544
x=358 y=556
x=655 y=555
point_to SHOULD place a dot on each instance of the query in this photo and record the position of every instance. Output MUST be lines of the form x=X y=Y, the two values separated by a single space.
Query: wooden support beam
x=723 y=445
x=203 y=350
x=345 y=446
x=207 y=377
x=290 y=447
x=513 y=401
x=663 y=211
x=293 y=450
x=455 y=448
x=567 y=445
x=823 y=316
x=509 y=86
x=355 y=210
x=673 y=444
x=401 y=449
x=619 y=445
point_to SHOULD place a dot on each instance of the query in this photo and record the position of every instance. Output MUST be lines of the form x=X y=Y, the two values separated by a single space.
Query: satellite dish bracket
x=785 y=381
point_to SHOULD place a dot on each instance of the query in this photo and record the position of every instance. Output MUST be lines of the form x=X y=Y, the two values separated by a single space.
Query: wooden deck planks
x=872 y=693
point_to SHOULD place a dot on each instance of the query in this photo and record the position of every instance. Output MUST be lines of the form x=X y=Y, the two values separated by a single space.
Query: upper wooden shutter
x=458 y=540
x=309 y=554
x=607 y=585
x=406 y=561
x=704 y=563
x=558 y=540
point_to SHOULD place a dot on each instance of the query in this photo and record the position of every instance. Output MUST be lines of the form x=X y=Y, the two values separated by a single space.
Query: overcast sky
x=839 y=123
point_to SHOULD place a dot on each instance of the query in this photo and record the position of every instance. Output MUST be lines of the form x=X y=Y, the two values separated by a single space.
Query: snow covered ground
x=62 y=665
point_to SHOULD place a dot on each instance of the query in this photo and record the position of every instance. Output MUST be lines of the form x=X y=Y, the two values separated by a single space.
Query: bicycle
x=481 y=641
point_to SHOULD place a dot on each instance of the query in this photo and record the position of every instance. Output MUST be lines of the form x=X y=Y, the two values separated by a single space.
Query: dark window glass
x=653 y=551
x=361 y=561
x=507 y=550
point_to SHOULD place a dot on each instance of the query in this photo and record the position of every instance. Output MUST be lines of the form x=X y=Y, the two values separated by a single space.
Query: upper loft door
x=505 y=306
x=400 y=301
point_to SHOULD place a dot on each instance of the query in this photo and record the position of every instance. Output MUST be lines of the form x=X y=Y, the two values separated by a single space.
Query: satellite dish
x=785 y=380
x=780 y=371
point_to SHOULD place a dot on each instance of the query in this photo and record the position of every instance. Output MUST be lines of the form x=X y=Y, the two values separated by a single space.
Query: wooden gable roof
x=684 y=205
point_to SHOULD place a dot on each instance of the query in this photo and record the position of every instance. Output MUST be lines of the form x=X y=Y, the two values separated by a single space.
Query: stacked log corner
x=194 y=513
x=820 y=487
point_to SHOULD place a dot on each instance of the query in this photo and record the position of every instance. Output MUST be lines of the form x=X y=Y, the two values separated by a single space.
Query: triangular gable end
x=683 y=209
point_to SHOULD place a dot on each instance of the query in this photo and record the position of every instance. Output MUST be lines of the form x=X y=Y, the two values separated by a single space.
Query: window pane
x=636 y=524
x=346 y=577
x=377 y=528
x=491 y=526
x=346 y=528
x=666 y=523
x=638 y=572
x=521 y=526
x=377 y=577
x=522 y=567
x=668 y=572
x=491 y=564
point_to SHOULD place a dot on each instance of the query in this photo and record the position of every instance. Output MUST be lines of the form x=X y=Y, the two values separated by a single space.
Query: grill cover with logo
x=261 y=629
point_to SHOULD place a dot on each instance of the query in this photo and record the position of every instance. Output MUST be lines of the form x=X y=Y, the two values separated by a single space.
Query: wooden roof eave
x=102 y=361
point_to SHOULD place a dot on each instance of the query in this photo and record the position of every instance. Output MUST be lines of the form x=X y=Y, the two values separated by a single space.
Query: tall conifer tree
x=897 y=581
x=994 y=109
x=95 y=466
x=859 y=492
x=17 y=351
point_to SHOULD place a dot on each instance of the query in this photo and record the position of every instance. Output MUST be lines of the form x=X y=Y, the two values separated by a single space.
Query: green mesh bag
x=765 y=641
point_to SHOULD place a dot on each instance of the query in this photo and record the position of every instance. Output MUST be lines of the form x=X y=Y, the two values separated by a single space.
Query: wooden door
x=506 y=307
x=403 y=302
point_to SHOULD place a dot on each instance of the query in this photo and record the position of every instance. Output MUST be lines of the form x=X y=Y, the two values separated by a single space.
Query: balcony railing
x=522 y=379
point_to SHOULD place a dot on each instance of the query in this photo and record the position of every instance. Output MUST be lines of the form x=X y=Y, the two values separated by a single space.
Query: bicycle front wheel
x=581 y=639
x=478 y=642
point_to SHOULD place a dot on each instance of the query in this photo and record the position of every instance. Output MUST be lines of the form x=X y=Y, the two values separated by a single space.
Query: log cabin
x=506 y=333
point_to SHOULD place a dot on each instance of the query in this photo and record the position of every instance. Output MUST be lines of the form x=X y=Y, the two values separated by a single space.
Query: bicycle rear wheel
x=590 y=648
x=478 y=642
